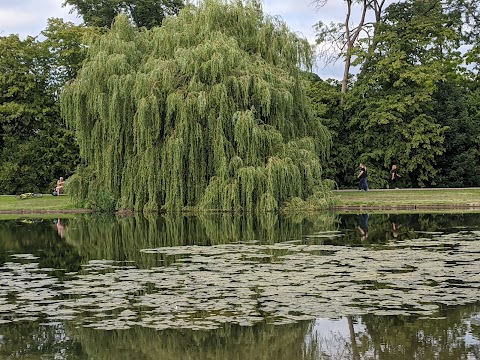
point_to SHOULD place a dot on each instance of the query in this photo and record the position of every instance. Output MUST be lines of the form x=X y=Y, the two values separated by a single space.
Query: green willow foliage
x=207 y=112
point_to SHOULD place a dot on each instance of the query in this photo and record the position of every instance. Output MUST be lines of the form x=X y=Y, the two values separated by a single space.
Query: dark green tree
x=414 y=101
x=326 y=103
x=64 y=44
x=26 y=110
x=143 y=13
x=457 y=103
x=392 y=107
x=35 y=146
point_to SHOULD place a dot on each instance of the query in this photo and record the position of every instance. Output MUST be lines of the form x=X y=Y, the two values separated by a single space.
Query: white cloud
x=11 y=19
x=306 y=9
x=29 y=17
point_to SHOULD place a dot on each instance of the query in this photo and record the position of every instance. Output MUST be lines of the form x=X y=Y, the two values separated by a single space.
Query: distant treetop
x=143 y=13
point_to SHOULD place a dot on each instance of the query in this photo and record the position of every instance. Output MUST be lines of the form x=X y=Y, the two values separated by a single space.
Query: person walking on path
x=362 y=175
x=394 y=175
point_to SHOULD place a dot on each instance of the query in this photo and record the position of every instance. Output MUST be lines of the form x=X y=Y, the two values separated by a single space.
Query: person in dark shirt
x=362 y=175
x=394 y=175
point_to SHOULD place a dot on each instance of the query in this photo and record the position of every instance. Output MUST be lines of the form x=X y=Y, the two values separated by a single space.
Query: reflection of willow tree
x=37 y=237
x=408 y=337
x=260 y=342
x=209 y=110
x=109 y=237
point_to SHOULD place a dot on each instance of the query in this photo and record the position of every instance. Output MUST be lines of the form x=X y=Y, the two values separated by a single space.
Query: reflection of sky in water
x=333 y=336
x=339 y=326
x=471 y=339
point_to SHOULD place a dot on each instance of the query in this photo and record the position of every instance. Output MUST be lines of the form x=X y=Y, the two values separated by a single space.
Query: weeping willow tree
x=208 y=111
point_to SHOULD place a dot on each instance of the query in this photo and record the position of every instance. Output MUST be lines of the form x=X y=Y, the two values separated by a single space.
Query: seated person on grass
x=59 y=187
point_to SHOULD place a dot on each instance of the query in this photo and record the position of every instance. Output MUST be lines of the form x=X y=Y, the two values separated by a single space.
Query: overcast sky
x=29 y=17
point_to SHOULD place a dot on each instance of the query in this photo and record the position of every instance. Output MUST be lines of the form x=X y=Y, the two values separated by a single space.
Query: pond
x=314 y=286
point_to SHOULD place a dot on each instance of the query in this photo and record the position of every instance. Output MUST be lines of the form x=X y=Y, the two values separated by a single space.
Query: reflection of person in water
x=395 y=230
x=60 y=228
x=363 y=227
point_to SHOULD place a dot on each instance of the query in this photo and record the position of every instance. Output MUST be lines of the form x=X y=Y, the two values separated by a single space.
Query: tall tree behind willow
x=458 y=103
x=208 y=111
x=342 y=40
x=143 y=13
x=326 y=104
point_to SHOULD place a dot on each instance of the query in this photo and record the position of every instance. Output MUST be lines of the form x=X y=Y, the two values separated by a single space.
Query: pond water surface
x=316 y=286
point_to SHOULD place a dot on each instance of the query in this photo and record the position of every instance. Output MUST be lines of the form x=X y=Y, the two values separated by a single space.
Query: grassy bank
x=47 y=204
x=394 y=199
x=408 y=199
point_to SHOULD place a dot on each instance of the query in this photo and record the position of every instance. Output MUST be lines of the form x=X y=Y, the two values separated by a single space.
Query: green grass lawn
x=46 y=203
x=397 y=199
x=409 y=198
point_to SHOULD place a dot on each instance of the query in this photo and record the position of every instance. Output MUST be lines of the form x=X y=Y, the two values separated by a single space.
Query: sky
x=29 y=17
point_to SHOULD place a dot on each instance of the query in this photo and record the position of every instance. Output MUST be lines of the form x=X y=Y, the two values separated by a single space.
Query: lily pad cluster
x=209 y=286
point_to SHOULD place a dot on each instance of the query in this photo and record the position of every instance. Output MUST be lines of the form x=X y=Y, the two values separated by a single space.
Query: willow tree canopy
x=208 y=111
